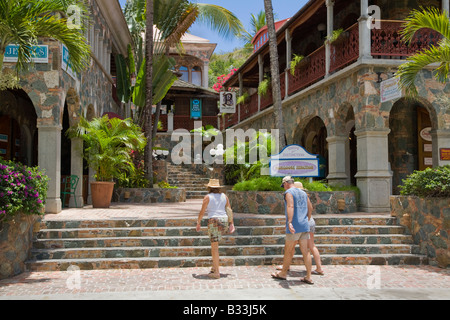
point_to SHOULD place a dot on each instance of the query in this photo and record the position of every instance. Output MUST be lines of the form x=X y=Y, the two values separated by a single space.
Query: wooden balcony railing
x=386 y=43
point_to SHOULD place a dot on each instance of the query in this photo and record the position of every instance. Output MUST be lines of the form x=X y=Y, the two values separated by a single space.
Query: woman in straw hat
x=216 y=205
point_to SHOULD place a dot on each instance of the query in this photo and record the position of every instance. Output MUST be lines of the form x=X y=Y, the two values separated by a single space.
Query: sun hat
x=214 y=183
x=299 y=185
x=286 y=179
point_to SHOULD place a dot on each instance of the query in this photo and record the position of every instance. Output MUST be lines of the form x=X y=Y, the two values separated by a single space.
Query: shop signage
x=425 y=134
x=390 y=90
x=294 y=161
x=39 y=54
x=65 y=64
x=196 y=108
x=228 y=102
x=445 y=154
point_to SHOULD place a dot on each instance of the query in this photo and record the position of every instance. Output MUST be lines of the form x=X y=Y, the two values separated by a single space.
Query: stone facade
x=52 y=91
x=428 y=221
x=137 y=195
x=15 y=244
x=272 y=202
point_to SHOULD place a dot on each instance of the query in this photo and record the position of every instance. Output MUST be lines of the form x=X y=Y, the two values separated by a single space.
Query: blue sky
x=243 y=9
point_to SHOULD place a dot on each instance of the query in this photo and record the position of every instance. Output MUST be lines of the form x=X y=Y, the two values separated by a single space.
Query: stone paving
x=241 y=282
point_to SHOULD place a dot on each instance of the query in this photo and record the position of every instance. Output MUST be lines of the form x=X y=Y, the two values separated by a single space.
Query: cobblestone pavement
x=249 y=282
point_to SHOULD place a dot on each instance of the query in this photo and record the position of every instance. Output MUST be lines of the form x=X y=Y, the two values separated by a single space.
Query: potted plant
x=338 y=36
x=109 y=144
x=298 y=61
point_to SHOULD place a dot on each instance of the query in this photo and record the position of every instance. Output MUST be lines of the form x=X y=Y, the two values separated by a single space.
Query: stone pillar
x=49 y=160
x=77 y=170
x=441 y=139
x=330 y=28
x=337 y=160
x=205 y=77
x=365 y=45
x=374 y=177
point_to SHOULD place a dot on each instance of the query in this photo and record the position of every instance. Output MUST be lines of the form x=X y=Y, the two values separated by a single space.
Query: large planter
x=145 y=195
x=102 y=194
x=16 y=238
x=272 y=202
x=428 y=221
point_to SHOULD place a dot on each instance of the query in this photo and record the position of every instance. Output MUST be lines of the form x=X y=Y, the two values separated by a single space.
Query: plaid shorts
x=216 y=227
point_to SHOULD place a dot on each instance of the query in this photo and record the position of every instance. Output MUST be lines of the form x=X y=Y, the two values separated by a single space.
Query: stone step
x=180 y=262
x=205 y=251
x=204 y=241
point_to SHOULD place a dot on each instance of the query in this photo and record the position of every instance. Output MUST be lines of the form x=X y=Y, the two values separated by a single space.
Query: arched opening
x=314 y=140
x=18 y=128
x=410 y=141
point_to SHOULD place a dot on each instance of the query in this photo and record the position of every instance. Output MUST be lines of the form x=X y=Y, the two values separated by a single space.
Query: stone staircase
x=160 y=243
x=183 y=177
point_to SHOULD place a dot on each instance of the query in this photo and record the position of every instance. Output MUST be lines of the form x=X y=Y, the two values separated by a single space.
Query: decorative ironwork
x=345 y=52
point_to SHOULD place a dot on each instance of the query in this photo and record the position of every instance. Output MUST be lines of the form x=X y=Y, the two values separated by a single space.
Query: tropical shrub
x=267 y=183
x=218 y=86
x=22 y=189
x=432 y=182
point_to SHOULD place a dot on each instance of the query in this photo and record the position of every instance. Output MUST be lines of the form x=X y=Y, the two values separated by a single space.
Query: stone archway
x=18 y=126
x=410 y=140
x=314 y=140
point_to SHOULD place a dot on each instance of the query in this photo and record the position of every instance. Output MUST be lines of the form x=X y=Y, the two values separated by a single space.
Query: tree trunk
x=275 y=72
x=148 y=158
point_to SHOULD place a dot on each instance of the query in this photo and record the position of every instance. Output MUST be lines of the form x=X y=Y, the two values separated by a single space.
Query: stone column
x=364 y=32
x=441 y=139
x=374 y=177
x=77 y=170
x=170 y=122
x=330 y=28
x=205 y=77
x=49 y=160
x=337 y=160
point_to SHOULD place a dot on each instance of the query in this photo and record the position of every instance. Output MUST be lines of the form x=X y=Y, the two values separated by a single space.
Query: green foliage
x=166 y=185
x=221 y=64
x=335 y=35
x=109 y=144
x=207 y=131
x=267 y=183
x=432 y=182
x=264 y=86
x=22 y=189
x=243 y=98
x=295 y=62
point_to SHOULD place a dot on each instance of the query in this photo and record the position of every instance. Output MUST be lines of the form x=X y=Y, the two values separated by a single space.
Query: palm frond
x=220 y=19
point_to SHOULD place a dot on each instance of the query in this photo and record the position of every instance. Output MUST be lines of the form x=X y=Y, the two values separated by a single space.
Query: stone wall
x=272 y=202
x=136 y=195
x=428 y=221
x=15 y=244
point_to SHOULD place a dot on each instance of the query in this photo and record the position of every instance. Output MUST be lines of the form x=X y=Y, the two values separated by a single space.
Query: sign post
x=295 y=161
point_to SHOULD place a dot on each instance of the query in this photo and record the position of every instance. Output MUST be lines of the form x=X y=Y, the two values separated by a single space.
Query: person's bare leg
x=306 y=258
x=287 y=260
x=315 y=252
x=215 y=258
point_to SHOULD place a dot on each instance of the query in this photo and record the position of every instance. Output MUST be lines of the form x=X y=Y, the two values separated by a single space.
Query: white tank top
x=216 y=206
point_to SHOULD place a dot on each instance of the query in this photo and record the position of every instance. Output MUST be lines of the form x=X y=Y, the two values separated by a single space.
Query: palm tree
x=433 y=19
x=275 y=72
x=257 y=23
x=23 y=22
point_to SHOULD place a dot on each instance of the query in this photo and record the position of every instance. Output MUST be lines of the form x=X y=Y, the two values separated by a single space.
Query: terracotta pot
x=102 y=194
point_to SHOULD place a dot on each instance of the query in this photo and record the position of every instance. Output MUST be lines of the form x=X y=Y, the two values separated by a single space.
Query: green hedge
x=273 y=184
x=432 y=182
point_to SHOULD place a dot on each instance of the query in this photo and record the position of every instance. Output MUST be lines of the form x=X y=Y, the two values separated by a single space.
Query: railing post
x=446 y=6
x=288 y=60
x=364 y=32
x=261 y=78
x=330 y=28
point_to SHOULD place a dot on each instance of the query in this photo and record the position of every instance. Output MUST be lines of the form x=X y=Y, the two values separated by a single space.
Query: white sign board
x=390 y=90
x=294 y=161
x=228 y=102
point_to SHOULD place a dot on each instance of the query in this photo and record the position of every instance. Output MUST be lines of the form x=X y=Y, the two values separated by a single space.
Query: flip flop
x=307 y=281
x=317 y=273
x=213 y=276
x=279 y=268
x=277 y=276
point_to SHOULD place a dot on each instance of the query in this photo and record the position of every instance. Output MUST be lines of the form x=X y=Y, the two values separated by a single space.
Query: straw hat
x=214 y=183
x=299 y=185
